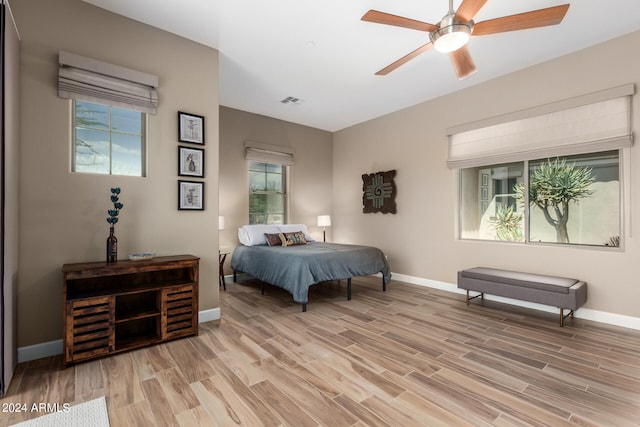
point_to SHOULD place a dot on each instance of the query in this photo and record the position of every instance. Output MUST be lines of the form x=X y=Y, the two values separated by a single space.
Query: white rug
x=88 y=414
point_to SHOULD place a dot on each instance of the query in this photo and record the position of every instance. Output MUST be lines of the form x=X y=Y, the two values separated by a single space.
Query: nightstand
x=222 y=256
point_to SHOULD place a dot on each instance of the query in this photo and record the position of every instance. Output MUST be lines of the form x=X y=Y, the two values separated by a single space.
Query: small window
x=108 y=140
x=489 y=210
x=267 y=193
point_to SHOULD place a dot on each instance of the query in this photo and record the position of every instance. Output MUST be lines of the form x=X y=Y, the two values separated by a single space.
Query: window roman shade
x=268 y=153
x=595 y=122
x=91 y=80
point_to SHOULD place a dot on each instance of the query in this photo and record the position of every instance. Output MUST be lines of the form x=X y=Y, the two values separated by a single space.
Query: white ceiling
x=322 y=53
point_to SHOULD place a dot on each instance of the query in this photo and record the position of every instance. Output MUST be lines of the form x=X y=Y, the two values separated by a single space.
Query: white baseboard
x=208 y=315
x=53 y=348
x=38 y=351
x=582 y=313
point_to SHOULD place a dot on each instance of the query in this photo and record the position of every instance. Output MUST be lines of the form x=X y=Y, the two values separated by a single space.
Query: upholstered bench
x=549 y=290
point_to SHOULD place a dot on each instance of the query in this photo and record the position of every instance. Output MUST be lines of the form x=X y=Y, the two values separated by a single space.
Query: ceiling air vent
x=292 y=100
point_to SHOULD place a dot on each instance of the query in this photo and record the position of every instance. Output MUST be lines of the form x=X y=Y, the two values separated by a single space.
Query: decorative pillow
x=253 y=235
x=274 y=239
x=293 y=239
x=291 y=228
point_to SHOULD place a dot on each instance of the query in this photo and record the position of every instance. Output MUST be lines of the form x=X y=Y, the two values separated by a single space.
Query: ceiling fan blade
x=397 y=21
x=408 y=57
x=468 y=9
x=522 y=21
x=462 y=62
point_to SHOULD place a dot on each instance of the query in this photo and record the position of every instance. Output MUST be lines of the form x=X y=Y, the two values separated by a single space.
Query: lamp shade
x=324 y=220
x=220 y=223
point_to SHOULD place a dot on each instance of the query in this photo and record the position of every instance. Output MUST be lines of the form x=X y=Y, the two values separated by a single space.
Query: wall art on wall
x=190 y=195
x=379 y=192
x=191 y=162
x=190 y=128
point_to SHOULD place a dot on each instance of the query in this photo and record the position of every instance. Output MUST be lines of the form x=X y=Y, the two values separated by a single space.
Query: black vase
x=112 y=247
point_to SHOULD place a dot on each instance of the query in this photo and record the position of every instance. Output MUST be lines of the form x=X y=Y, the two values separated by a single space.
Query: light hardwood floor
x=411 y=356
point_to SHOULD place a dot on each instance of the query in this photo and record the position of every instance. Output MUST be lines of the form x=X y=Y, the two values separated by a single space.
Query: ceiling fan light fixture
x=452 y=34
x=450 y=38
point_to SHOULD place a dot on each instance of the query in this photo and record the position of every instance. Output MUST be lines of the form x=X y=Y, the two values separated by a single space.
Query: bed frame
x=304 y=304
x=297 y=268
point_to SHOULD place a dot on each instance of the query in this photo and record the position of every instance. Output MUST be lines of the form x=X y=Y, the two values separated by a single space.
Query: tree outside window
x=571 y=200
x=554 y=185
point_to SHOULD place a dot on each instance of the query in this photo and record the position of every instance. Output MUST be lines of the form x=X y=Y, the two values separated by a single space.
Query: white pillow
x=290 y=228
x=253 y=235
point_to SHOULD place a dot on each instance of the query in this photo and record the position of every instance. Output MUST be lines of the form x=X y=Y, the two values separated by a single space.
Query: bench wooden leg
x=480 y=295
x=563 y=316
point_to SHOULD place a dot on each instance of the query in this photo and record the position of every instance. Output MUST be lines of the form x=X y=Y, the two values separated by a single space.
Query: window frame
x=284 y=194
x=143 y=136
x=526 y=210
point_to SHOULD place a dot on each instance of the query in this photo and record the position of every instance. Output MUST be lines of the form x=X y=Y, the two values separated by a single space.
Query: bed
x=296 y=267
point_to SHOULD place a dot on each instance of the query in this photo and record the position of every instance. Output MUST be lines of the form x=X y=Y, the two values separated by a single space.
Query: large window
x=108 y=140
x=267 y=193
x=550 y=174
x=565 y=200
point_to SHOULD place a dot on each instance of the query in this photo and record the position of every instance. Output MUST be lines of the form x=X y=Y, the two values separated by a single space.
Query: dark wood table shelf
x=110 y=308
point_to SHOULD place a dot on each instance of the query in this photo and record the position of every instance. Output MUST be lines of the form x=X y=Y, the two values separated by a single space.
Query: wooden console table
x=111 y=308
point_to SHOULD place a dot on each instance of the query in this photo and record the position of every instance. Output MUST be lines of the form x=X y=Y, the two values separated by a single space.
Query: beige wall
x=62 y=215
x=421 y=239
x=310 y=177
x=9 y=181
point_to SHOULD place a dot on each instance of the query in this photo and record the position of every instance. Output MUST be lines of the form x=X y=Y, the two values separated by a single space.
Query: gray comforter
x=295 y=268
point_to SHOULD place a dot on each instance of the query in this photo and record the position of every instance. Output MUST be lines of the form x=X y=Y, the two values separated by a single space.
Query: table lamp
x=324 y=221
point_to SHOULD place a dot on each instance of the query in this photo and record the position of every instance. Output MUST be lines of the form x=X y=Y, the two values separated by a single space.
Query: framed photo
x=191 y=162
x=190 y=128
x=190 y=195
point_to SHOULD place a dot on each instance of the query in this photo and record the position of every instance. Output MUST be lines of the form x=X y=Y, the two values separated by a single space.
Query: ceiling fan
x=454 y=30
